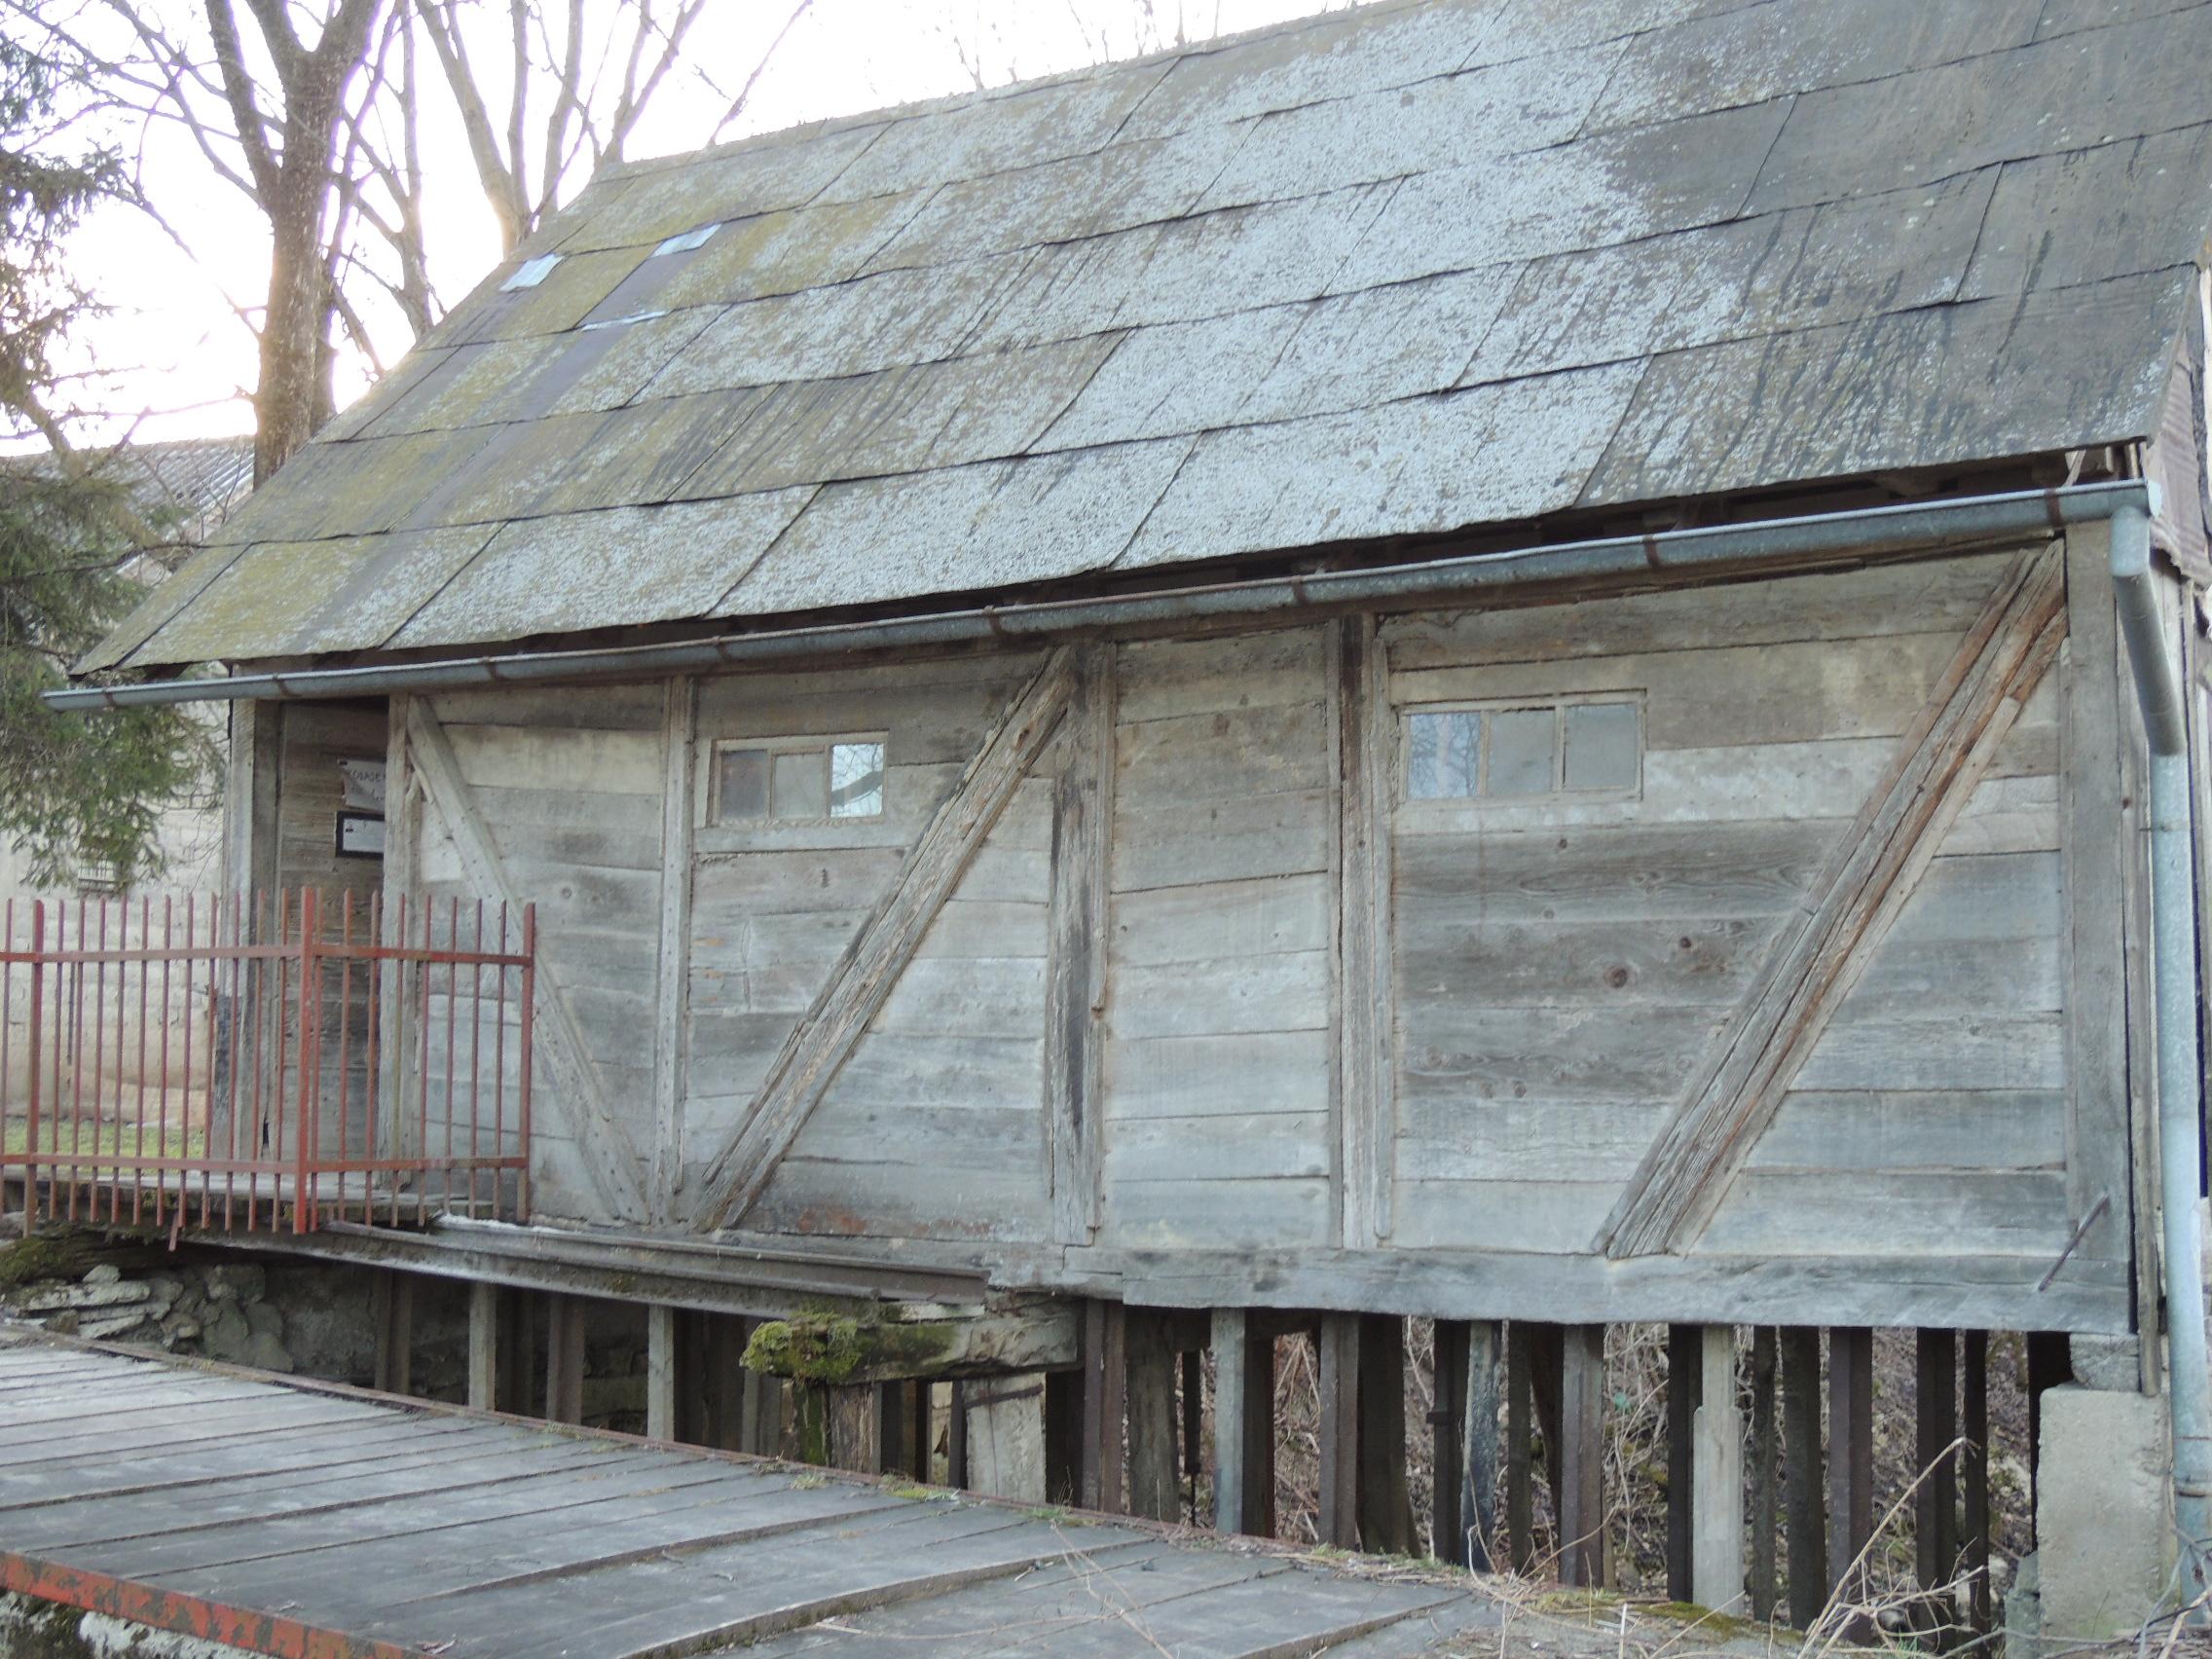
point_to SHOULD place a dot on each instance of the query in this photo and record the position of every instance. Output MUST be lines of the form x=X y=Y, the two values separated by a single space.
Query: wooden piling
x=1447 y=1442
x=1519 y=1456
x=1152 y=1426
x=1581 y=1491
x=660 y=1371
x=1478 y=1481
x=483 y=1345
x=1804 y=1499
x=1974 y=1474
x=1716 y=1476
x=1936 y=1547
x=1851 y=1468
x=1338 y=1356
x=1685 y=1390
x=1384 y=1504
x=391 y=1310
x=1761 y=1588
x=564 y=1358
x=956 y=1438
x=1244 y=1429
x=1105 y=1379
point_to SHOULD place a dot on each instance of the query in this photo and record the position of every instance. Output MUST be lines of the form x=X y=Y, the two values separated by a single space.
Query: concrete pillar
x=1716 y=1476
x=2104 y=1504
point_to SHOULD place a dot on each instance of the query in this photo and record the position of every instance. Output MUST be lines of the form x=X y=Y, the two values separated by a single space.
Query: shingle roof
x=1404 y=270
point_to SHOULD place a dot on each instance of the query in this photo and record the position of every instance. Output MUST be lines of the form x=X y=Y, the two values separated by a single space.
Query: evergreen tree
x=74 y=549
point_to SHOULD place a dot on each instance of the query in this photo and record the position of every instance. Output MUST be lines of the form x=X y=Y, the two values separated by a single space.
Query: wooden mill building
x=1497 y=660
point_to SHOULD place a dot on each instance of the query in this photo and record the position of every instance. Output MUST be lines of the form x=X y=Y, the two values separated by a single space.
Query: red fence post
x=529 y=1026
x=31 y=1035
x=311 y=1063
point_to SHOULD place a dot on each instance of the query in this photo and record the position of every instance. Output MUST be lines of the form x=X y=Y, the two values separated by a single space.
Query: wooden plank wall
x=934 y=1128
x=569 y=788
x=1561 y=965
x=1220 y=929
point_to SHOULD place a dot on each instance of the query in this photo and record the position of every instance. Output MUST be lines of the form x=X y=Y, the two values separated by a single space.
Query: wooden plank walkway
x=300 y=1519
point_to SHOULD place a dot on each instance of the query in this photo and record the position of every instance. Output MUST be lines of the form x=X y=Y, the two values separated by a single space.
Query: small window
x=797 y=779
x=1517 y=751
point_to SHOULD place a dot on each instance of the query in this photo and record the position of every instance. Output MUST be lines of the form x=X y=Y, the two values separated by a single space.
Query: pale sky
x=176 y=342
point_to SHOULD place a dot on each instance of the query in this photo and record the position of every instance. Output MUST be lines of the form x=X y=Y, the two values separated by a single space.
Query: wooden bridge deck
x=297 y=1519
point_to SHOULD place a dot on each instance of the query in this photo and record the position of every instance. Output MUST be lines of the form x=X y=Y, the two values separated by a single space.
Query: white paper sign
x=363 y=782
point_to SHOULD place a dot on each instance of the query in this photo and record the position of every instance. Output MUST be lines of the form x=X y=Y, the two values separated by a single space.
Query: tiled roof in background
x=1398 y=271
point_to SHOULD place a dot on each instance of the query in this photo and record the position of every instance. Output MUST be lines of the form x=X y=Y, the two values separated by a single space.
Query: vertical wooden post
x=1716 y=1475
x=660 y=1371
x=1807 y=1518
x=1478 y=1473
x=1383 y=1503
x=1763 y=1458
x=1447 y=1439
x=1151 y=1395
x=1685 y=1391
x=1243 y=1425
x=1105 y=1378
x=483 y=1345
x=1936 y=1547
x=1851 y=1465
x=516 y=1380
x=391 y=1301
x=1973 y=1471
x=1338 y=1354
x=921 y=1436
x=1581 y=1491
x=564 y=1358
x=1519 y=1426
x=956 y=1438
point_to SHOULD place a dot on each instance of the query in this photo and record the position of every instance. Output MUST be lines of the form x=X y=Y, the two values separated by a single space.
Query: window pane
x=1519 y=752
x=802 y=784
x=1600 y=746
x=856 y=779
x=1440 y=756
x=741 y=786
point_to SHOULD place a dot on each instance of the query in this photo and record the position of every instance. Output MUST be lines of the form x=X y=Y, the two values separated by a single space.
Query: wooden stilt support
x=1194 y=1426
x=483 y=1345
x=1804 y=1499
x=1477 y=1466
x=1151 y=1393
x=1851 y=1468
x=1685 y=1391
x=564 y=1358
x=2051 y=1364
x=956 y=1439
x=1383 y=1503
x=1339 y=1355
x=1520 y=1456
x=1974 y=1474
x=661 y=1368
x=1581 y=1489
x=856 y=1427
x=1446 y=1441
x=1764 y=1457
x=516 y=1384
x=921 y=1434
x=1935 y=1545
x=1716 y=1475
x=1105 y=1378
x=1243 y=1425
x=391 y=1301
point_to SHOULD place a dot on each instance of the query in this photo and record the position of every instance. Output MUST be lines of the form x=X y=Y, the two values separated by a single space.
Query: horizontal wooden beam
x=902 y=1344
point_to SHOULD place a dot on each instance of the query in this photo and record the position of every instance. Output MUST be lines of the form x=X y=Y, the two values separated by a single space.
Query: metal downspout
x=2173 y=930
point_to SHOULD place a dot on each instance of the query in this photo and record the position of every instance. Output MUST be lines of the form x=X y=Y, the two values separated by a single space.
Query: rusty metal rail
x=240 y=1063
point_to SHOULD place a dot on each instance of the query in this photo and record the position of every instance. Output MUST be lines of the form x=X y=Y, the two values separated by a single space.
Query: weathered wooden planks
x=868 y=972
x=1994 y=671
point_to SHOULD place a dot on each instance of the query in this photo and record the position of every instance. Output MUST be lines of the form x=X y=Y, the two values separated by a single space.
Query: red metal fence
x=232 y=1062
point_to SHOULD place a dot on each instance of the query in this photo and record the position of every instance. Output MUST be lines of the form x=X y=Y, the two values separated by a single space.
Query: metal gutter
x=2173 y=946
x=2027 y=512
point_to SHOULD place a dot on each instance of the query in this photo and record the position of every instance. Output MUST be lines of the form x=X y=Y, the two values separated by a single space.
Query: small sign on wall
x=360 y=835
x=362 y=784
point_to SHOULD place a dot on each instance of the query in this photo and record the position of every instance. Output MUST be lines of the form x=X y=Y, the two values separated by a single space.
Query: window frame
x=822 y=744
x=1558 y=792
